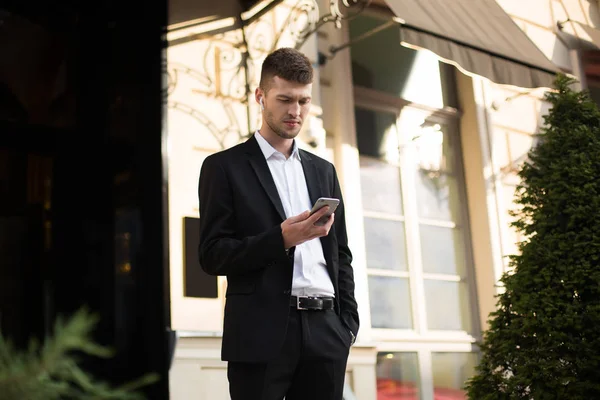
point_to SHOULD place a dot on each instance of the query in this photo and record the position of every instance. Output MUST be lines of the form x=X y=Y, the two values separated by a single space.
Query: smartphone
x=322 y=202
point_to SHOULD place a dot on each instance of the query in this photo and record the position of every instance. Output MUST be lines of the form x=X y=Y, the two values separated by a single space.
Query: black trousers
x=311 y=366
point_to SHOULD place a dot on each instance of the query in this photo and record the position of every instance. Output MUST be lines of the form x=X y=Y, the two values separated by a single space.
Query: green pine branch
x=50 y=370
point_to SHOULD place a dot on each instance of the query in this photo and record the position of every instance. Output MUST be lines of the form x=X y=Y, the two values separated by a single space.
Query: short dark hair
x=286 y=63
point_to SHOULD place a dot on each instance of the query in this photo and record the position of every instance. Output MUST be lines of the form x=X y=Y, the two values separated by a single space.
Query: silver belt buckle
x=298 y=303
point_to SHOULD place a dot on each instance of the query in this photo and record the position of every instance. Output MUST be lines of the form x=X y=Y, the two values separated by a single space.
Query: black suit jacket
x=240 y=237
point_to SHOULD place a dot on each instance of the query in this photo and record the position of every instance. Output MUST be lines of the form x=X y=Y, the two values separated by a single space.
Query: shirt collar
x=269 y=150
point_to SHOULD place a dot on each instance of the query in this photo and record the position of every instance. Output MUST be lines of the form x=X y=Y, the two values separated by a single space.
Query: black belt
x=312 y=303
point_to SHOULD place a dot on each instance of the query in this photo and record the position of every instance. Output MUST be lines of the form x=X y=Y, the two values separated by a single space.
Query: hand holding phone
x=322 y=202
x=309 y=225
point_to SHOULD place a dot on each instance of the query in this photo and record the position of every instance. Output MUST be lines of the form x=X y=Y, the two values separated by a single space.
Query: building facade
x=427 y=130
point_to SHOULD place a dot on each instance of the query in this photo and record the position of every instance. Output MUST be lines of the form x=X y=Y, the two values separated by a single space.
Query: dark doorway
x=82 y=188
x=23 y=196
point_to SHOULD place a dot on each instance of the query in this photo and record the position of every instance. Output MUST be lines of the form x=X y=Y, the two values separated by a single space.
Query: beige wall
x=199 y=374
x=538 y=18
x=338 y=120
x=481 y=193
x=511 y=132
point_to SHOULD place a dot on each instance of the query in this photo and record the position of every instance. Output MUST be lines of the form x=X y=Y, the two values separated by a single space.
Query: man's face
x=286 y=106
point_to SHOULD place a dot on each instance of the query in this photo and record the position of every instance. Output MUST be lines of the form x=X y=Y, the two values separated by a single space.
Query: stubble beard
x=281 y=132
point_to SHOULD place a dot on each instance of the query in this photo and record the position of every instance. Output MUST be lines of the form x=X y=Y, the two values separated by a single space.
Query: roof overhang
x=478 y=37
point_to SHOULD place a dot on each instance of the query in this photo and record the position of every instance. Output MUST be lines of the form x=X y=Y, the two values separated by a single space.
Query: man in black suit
x=290 y=314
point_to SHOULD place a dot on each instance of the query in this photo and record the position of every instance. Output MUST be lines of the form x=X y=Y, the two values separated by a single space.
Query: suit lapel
x=316 y=190
x=313 y=180
x=261 y=168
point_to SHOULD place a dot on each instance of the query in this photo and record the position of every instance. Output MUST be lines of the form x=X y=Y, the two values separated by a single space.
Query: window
x=450 y=371
x=414 y=222
x=412 y=75
x=423 y=311
x=398 y=376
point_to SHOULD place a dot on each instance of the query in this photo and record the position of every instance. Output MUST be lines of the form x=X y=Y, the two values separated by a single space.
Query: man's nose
x=294 y=110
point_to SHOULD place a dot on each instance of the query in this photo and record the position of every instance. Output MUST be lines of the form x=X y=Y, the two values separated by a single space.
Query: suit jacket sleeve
x=348 y=305
x=220 y=252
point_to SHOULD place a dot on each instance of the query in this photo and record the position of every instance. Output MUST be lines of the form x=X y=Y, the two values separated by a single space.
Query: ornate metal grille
x=228 y=64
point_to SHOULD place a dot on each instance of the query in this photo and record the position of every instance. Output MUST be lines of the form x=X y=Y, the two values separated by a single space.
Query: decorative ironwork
x=339 y=10
x=301 y=18
x=229 y=64
x=220 y=134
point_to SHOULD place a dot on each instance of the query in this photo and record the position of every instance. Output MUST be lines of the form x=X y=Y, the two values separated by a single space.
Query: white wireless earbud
x=262 y=105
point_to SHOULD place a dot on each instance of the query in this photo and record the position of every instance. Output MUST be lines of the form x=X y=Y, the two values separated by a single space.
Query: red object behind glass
x=390 y=389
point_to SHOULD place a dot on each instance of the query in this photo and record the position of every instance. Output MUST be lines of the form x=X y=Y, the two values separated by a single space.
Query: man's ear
x=258 y=94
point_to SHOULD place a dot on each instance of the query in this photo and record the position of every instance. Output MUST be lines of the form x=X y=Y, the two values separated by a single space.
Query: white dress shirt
x=310 y=272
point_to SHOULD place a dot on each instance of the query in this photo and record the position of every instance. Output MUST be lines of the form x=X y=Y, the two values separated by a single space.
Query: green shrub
x=543 y=341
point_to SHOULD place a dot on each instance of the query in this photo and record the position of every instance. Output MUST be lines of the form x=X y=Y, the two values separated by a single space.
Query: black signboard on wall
x=197 y=283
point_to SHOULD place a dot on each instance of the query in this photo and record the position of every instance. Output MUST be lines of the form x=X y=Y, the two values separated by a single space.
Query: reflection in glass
x=389 y=74
x=380 y=183
x=450 y=372
x=390 y=302
x=442 y=250
x=447 y=305
x=435 y=149
x=397 y=376
x=122 y=253
x=376 y=134
x=437 y=196
x=385 y=243
x=436 y=187
x=415 y=75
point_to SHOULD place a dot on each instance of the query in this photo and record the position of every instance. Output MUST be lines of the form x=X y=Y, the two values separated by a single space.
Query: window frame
x=373 y=100
x=421 y=339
